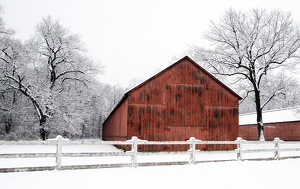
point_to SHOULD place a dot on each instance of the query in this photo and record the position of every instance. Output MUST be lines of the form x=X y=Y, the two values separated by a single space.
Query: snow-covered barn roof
x=272 y=116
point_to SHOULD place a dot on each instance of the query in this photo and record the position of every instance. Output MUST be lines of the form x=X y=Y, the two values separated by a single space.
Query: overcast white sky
x=132 y=38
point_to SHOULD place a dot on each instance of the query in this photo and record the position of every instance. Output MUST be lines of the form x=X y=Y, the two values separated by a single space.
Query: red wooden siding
x=182 y=101
x=284 y=130
x=117 y=129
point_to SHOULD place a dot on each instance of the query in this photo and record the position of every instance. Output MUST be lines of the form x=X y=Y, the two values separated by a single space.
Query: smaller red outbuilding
x=282 y=123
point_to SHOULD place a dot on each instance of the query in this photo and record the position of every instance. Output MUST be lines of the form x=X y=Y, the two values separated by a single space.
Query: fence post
x=193 y=150
x=277 y=148
x=239 y=148
x=134 y=148
x=58 y=152
x=134 y=151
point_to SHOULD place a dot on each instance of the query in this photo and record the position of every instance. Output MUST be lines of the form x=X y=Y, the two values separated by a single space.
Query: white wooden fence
x=134 y=142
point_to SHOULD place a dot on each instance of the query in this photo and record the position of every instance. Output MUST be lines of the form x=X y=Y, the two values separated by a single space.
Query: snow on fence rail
x=134 y=142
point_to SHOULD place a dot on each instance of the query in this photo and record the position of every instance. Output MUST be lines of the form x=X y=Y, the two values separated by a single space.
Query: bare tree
x=62 y=51
x=283 y=89
x=53 y=71
x=133 y=83
x=17 y=76
x=113 y=95
x=251 y=46
x=13 y=86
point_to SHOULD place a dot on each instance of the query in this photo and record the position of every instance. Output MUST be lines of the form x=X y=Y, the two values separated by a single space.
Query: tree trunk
x=43 y=132
x=42 y=117
x=260 y=125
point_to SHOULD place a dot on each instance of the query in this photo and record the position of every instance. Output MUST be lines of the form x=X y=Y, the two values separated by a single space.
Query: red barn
x=282 y=123
x=180 y=102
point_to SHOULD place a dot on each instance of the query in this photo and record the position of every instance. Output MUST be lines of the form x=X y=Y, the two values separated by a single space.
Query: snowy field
x=231 y=174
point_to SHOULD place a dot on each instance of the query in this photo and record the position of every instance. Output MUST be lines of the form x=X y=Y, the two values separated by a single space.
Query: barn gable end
x=180 y=102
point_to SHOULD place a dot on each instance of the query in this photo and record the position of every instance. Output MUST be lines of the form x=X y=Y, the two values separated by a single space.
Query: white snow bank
x=225 y=175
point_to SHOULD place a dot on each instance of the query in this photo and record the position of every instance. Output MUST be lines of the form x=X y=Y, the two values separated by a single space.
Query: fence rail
x=134 y=142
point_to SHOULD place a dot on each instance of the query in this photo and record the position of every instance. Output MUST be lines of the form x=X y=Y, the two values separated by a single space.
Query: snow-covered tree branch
x=249 y=47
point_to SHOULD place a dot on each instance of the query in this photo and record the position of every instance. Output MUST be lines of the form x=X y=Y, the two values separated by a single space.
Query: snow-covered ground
x=232 y=174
